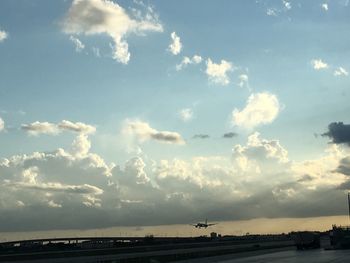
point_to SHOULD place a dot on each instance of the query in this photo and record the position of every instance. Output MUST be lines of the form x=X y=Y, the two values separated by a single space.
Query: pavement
x=280 y=256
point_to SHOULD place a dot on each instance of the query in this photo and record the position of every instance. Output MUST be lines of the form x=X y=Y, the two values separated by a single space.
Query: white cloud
x=106 y=17
x=196 y=59
x=243 y=80
x=96 y=51
x=37 y=128
x=78 y=127
x=324 y=6
x=79 y=46
x=175 y=46
x=81 y=145
x=271 y=12
x=322 y=171
x=319 y=64
x=217 y=73
x=144 y=132
x=186 y=114
x=287 y=4
x=340 y=71
x=2 y=125
x=3 y=35
x=58 y=177
x=261 y=149
x=261 y=108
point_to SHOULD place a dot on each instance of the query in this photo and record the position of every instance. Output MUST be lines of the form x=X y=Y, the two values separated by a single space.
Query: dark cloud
x=338 y=132
x=344 y=166
x=305 y=178
x=201 y=136
x=229 y=135
x=171 y=137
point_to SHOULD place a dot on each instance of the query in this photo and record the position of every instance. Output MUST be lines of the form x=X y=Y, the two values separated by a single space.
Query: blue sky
x=288 y=58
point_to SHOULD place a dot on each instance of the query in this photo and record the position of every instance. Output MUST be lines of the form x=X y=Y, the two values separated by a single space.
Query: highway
x=157 y=254
x=283 y=255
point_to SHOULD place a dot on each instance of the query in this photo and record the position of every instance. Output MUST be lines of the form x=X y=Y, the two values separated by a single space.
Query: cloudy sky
x=149 y=113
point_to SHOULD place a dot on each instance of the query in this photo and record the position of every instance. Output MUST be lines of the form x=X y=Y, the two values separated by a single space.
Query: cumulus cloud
x=2 y=125
x=229 y=135
x=106 y=17
x=260 y=155
x=324 y=6
x=3 y=35
x=79 y=46
x=175 y=46
x=201 y=136
x=261 y=108
x=318 y=64
x=37 y=128
x=340 y=71
x=344 y=166
x=66 y=190
x=59 y=176
x=322 y=172
x=196 y=59
x=144 y=132
x=217 y=73
x=186 y=114
x=338 y=132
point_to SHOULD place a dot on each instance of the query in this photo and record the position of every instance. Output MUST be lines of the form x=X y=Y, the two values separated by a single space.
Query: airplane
x=205 y=224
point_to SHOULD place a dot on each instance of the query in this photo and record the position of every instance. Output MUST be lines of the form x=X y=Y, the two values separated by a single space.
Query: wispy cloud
x=243 y=81
x=201 y=136
x=324 y=6
x=175 y=46
x=196 y=59
x=186 y=114
x=271 y=12
x=287 y=5
x=340 y=71
x=36 y=128
x=79 y=46
x=3 y=35
x=2 y=125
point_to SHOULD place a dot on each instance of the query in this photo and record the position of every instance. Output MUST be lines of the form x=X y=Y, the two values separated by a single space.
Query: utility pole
x=349 y=203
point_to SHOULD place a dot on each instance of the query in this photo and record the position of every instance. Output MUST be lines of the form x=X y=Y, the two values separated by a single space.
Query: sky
x=159 y=113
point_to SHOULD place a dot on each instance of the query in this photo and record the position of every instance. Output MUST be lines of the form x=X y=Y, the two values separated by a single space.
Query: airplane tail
x=206 y=221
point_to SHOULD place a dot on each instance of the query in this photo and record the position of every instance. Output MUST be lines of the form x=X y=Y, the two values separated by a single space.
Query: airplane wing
x=212 y=224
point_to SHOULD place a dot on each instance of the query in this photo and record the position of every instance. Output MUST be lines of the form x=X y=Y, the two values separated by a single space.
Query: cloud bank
x=75 y=188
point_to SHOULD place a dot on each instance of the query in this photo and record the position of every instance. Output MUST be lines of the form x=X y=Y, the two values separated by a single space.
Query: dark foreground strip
x=137 y=256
